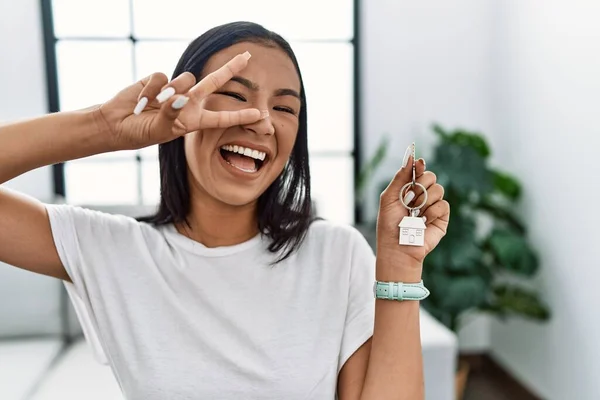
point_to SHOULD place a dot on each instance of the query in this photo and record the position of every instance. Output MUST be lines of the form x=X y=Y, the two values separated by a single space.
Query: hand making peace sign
x=166 y=110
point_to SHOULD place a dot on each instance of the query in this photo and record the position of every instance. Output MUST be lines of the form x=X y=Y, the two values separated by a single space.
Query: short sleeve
x=84 y=239
x=360 y=315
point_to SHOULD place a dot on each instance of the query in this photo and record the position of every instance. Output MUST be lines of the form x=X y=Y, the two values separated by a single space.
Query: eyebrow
x=253 y=86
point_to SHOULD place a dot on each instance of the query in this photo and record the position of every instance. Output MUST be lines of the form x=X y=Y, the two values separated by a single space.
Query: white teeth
x=257 y=155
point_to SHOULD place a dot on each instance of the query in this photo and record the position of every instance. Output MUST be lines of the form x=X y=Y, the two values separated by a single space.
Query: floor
x=487 y=381
x=75 y=371
x=481 y=387
x=74 y=374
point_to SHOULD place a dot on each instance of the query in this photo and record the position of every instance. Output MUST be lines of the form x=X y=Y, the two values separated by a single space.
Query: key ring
x=413 y=184
x=424 y=197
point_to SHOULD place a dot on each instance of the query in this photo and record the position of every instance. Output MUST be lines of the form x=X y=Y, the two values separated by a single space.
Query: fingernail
x=264 y=114
x=424 y=218
x=406 y=156
x=424 y=164
x=165 y=94
x=180 y=102
x=140 y=106
x=409 y=197
x=247 y=55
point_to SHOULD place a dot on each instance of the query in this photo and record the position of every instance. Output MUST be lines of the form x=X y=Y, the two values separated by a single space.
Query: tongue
x=240 y=161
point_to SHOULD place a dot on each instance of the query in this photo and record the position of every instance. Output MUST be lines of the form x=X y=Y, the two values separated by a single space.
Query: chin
x=237 y=197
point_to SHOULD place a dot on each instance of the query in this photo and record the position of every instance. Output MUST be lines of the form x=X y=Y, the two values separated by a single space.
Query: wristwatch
x=400 y=291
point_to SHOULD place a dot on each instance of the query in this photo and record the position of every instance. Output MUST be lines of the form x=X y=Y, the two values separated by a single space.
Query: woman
x=232 y=290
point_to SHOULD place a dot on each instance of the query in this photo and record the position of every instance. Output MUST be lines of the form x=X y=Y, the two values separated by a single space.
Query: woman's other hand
x=154 y=110
x=436 y=212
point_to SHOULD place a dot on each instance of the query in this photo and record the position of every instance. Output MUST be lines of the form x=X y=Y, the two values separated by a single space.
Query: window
x=95 y=48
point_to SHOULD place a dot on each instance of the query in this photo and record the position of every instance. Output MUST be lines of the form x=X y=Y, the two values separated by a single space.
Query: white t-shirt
x=178 y=320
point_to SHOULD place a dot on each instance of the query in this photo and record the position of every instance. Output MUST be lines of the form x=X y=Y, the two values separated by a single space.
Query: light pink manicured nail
x=180 y=102
x=247 y=55
x=140 y=106
x=264 y=114
x=165 y=94
x=409 y=197
x=406 y=156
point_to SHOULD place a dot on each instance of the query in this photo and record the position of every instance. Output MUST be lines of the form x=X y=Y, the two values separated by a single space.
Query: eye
x=285 y=109
x=234 y=95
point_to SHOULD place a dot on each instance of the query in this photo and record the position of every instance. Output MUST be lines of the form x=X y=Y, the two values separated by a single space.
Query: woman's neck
x=216 y=224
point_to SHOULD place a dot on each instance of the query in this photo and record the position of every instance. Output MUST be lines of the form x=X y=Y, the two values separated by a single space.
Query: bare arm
x=25 y=235
x=395 y=368
x=50 y=139
x=390 y=366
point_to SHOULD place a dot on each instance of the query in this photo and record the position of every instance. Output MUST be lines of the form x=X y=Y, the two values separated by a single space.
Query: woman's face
x=269 y=82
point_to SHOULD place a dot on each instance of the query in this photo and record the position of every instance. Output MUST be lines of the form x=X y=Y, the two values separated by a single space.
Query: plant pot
x=460 y=379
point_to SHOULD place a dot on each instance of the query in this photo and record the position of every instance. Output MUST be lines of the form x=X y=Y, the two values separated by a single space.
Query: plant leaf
x=501 y=213
x=473 y=140
x=512 y=252
x=515 y=300
x=507 y=185
x=370 y=167
x=462 y=169
x=458 y=251
x=458 y=293
x=440 y=131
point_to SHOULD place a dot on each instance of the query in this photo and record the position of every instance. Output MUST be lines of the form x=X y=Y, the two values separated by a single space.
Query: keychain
x=412 y=227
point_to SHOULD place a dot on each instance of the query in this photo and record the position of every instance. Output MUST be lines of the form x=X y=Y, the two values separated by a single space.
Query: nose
x=262 y=126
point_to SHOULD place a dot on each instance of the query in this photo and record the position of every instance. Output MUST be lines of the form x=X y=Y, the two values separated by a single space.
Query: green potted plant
x=485 y=261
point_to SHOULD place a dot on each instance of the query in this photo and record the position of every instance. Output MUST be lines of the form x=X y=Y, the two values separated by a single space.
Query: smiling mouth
x=243 y=158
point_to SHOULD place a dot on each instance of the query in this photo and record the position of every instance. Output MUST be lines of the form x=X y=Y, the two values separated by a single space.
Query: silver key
x=412 y=228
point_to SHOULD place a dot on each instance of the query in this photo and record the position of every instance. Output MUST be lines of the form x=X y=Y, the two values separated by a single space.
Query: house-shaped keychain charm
x=412 y=231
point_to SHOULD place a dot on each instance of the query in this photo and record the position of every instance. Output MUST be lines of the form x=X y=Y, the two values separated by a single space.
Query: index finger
x=218 y=78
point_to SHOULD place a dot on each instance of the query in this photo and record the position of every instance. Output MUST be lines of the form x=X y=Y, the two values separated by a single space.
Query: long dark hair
x=285 y=208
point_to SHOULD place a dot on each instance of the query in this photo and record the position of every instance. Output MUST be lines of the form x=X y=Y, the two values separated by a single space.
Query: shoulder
x=328 y=231
x=98 y=224
x=332 y=239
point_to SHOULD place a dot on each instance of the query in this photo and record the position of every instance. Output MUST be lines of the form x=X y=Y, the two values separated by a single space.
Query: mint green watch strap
x=400 y=291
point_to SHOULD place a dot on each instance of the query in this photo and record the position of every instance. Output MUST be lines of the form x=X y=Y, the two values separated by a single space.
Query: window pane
x=150 y=182
x=327 y=71
x=332 y=187
x=123 y=155
x=92 y=72
x=150 y=152
x=101 y=183
x=153 y=56
x=309 y=19
x=78 y=18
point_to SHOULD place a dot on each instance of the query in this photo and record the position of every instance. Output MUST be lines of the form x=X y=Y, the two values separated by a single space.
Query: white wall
x=23 y=79
x=23 y=85
x=424 y=62
x=528 y=76
x=546 y=108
